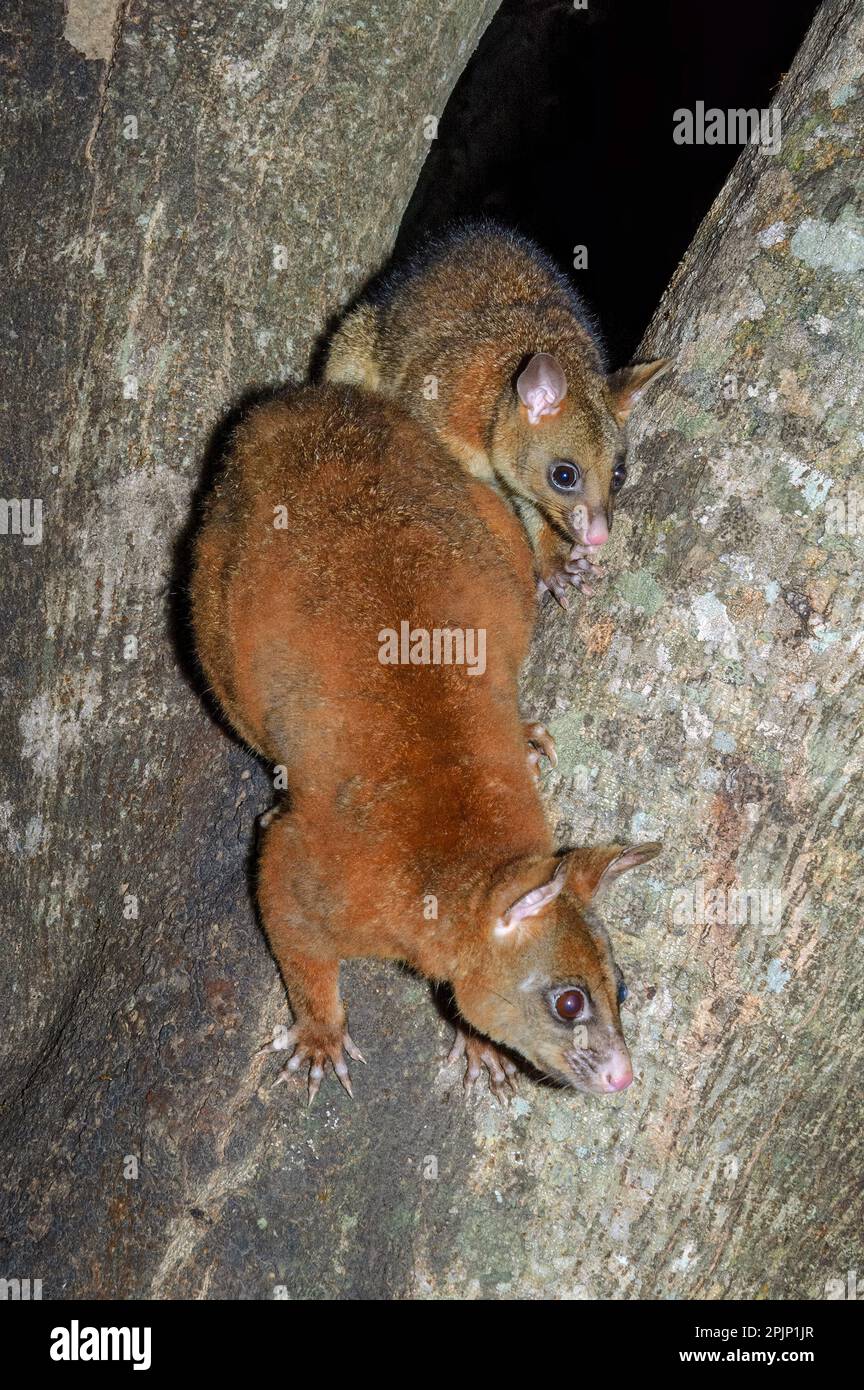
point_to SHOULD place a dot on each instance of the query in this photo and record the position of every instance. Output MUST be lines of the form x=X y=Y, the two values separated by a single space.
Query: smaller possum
x=483 y=340
x=414 y=828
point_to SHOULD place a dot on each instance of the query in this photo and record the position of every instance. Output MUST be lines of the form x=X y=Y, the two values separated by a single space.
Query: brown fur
x=404 y=780
x=470 y=316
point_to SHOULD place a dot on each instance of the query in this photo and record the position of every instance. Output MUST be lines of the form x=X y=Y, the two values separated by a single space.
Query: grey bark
x=159 y=274
x=709 y=696
x=712 y=698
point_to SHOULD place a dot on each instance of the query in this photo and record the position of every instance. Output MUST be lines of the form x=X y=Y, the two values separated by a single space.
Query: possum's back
x=484 y=275
x=337 y=518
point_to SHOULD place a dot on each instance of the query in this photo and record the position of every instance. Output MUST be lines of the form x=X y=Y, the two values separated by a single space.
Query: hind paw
x=541 y=745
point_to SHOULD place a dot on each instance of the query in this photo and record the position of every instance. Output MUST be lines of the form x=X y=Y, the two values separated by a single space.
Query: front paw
x=314 y=1045
x=480 y=1053
x=578 y=567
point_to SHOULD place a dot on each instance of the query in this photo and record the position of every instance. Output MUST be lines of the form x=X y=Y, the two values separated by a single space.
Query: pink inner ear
x=533 y=902
x=542 y=387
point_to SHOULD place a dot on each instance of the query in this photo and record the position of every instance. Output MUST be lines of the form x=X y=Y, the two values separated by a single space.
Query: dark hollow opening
x=561 y=125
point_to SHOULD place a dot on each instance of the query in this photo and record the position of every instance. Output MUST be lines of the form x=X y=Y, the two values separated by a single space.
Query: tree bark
x=712 y=698
x=192 y=193
x=708 y=696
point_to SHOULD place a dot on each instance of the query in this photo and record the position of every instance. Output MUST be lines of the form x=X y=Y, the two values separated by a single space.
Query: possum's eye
x=570 y=1004
x=619 y=477
x=623 y=992
x=564 y=476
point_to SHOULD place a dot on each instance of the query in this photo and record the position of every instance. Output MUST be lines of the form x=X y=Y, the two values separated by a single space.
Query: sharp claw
x=314 y=1055
x=316 y=1074
x=557 y=588
x=471 y=1074
x=583 y=563
x=579 y=565
x=544 y=743
x=479 y=1054
x=342 y=1074
x=352 y=1049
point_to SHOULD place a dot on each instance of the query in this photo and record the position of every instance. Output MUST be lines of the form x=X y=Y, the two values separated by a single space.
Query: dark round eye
x=619 y=477
x=623 y=992
x=564 y=476
x=570 y=1004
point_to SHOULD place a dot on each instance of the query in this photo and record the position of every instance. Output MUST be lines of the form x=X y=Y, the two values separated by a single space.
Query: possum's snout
x=598 y=531
x=589 y=528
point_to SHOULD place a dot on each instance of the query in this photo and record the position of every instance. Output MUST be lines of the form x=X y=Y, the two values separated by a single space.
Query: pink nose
x=618 y=1075
x=598 y=531
x=619 y=1082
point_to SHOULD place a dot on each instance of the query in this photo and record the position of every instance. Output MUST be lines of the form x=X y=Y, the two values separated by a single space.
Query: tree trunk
x=708 y=696
x=711 y=698
x=190 y=200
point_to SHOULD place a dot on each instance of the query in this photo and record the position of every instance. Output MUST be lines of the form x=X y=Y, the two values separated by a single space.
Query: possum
x=413 y=827
x=485 y=342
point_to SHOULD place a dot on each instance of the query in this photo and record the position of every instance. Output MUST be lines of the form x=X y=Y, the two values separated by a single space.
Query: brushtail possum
x=486 y=342
x=414 y=828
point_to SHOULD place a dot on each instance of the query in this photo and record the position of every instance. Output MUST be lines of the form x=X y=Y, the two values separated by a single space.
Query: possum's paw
x=577 y=568
x=479 y=1052
x=314 y=1044
x=541 y=744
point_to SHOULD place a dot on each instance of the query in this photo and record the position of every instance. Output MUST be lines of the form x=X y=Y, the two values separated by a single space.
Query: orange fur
x=469 y=314
x=404 y=780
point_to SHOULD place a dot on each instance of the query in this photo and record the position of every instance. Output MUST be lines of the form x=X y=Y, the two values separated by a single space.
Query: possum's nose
x=617 y=1074
x=598 y=531
x=618 y=1081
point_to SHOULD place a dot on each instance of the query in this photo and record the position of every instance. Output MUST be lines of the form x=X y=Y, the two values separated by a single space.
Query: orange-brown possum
x=486 y=342
x=414 y=828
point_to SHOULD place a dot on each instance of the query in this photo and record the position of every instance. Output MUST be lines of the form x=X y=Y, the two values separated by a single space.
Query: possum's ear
x=628 y=384
x=590 y=870
x=542 y=386
x=532 y=901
